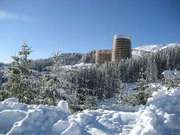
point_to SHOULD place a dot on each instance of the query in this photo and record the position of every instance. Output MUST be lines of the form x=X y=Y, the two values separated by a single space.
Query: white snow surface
x=160 y=116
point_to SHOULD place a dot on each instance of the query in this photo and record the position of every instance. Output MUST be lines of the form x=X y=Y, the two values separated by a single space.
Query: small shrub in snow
x=138 y=98
x=4 y=94
x=141 y=94
x=91 y=102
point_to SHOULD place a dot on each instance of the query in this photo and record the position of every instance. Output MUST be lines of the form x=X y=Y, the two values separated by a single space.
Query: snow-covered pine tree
x=19 y=82
x=57 y=84
x=151 y=70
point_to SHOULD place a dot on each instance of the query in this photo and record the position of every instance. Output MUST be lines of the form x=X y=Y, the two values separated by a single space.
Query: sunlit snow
x=161 y=115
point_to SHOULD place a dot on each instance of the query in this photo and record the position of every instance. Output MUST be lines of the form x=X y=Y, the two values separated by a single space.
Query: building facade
x=103 y=56
x=121 y=48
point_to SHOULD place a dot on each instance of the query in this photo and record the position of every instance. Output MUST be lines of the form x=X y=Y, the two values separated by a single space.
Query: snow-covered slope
x=78 y=66
x=138 y=51
x=161 y=116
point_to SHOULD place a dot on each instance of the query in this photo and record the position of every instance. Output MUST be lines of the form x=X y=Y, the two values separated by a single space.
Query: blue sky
x=83 y=25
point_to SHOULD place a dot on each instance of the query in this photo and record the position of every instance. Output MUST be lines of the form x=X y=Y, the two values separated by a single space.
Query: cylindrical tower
x=121 y=48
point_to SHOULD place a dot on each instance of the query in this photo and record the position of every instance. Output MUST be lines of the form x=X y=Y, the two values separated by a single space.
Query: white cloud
x=4 y=15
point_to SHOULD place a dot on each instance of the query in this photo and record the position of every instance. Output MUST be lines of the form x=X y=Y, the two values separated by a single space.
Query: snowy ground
x=161 y=116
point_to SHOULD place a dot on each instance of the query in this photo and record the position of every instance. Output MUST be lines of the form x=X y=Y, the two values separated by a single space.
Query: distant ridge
x=138 y=51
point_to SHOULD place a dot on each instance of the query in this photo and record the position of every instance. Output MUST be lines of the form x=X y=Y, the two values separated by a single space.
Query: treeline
x=105 y=81
x=65 y=59
x=27 y=82
x=151 y=65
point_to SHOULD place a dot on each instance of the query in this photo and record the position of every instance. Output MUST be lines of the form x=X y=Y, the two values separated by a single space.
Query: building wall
x=103 y=56
x=121 y=48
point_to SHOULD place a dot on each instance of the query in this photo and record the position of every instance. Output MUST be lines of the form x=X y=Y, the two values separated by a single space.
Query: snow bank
x=63 y=105
x=12 y=104
x=19 y=119
x=38 y=121
x=8 y=118
x=161 y=116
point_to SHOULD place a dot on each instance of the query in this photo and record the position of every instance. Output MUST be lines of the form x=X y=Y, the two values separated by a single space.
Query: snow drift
x=161 y=116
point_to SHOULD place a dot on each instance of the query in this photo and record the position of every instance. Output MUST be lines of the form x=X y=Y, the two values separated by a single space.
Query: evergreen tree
x=151 y=70
x=19 y=81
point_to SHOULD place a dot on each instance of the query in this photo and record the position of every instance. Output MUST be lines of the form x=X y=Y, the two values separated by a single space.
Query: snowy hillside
x=138 y=51
x=78 y=66
x=161 y=116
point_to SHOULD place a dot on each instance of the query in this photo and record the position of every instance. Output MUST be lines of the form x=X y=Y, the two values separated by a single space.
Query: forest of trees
x=31 y=83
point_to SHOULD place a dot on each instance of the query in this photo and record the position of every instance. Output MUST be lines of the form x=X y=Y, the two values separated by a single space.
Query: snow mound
x=39 y=121
x=12 y=104
x=63 y=105
x=19 y=119
x=8 y=118
x=160 y=116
